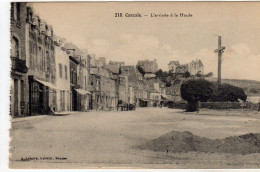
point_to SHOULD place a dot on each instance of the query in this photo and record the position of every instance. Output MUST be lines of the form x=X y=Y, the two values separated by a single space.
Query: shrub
x=227 y=93
x=194 y=91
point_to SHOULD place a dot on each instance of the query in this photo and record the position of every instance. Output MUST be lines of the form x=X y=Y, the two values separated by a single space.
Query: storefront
x=42 y=96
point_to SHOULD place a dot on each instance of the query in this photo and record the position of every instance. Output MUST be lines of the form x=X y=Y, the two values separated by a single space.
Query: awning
x=50 y=85
x=83 y=92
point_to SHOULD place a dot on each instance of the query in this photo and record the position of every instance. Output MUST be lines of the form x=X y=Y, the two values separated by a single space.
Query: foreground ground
x=108 y=139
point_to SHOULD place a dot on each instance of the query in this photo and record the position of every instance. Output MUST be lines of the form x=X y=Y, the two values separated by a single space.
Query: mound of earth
x=175 y=141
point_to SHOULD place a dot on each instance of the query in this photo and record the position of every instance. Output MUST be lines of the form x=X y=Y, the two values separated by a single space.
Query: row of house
x=46 y=72
x=49 y=74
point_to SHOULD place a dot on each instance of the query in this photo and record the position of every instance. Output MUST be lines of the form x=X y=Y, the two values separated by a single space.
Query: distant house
x=173 y=65
x=196 y=66
x=157 y=90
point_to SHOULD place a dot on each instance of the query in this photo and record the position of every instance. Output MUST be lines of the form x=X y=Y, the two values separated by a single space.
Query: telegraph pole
x=220 y=51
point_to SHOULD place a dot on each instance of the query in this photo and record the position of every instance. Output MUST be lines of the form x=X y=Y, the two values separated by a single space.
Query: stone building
x=79 y=73
x=107 y=88
x=63 y=76
x=19 y=82
x=157 y=90
x=123 y=92
x=148 y=66
x=100 y=62
x=74 y=97
x=95 y=88
x=41 y=64
x=129 y=73
x=172 y=65
x=195 y=67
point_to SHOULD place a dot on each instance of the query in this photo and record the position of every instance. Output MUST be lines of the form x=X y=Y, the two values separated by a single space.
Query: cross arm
x=219 y=49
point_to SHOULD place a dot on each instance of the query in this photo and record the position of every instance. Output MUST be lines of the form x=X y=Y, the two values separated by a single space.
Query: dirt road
x=108 y=139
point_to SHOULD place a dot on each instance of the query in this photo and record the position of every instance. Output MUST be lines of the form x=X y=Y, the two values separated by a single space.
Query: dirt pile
x=175 y=141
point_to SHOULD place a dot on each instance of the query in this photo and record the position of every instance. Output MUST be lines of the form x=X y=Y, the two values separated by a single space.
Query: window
x=60 y=69
x=85 y=82
x=47 y=62
x=66 y=72
x=39 y=23
x=15 y=47
x=12 y=11
x=18 y=11
x=39 y=58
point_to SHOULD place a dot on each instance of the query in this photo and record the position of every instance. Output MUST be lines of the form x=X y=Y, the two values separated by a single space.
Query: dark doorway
x=16 y=97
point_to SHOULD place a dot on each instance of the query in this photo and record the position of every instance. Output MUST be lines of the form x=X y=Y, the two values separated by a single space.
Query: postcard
x=139 y=85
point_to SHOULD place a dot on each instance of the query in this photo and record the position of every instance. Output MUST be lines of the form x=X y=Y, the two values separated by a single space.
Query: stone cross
x=220 y=51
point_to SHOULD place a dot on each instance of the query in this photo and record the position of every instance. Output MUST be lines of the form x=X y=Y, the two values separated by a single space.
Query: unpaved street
x=108 y=139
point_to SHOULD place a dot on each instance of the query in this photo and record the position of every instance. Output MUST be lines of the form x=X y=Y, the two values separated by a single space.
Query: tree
x=159 y=73
x=186 y=74
x=140 y=69
x=227 y=93
x=165 y=74
x=194 y=91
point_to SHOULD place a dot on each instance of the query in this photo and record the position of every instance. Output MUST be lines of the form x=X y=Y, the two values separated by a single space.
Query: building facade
x=172 y=65
x=41 y=64
x=19 y=81
x=63 y=76
x=148 y=66
x=196 y=67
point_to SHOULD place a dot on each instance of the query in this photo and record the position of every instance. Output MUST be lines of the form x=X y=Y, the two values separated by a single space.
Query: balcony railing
x=19 y=65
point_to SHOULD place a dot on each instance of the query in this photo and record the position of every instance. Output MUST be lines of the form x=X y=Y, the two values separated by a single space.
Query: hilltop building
x=195 y=67
x=172 y=65
x=148 y=66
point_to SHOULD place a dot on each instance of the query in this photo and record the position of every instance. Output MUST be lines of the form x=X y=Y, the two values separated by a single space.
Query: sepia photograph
x=133 y=85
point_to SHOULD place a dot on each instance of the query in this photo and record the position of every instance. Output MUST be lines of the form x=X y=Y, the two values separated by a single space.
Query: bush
x=194 y=91
x=202 y=90
x=227 y=93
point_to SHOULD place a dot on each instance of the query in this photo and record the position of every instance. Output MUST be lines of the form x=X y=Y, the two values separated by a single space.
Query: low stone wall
x=220 y=105
x=178 y=105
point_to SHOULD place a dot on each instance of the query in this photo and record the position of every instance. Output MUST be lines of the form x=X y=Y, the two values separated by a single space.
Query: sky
x=93 y=26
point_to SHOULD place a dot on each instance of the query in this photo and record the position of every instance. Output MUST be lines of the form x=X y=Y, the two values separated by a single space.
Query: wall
x=17 y=30
x=62 y=83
